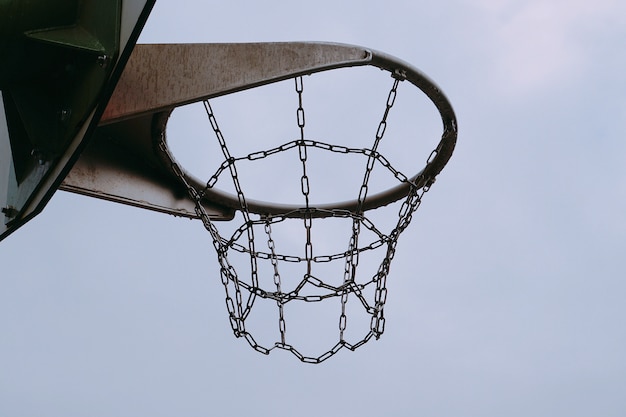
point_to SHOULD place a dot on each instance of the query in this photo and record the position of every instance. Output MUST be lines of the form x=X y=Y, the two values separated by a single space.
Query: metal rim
x=424 y=178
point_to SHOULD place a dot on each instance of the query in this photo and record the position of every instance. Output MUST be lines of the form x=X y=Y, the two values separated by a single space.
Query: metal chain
x=235 y=285
x=254 y=156
x=231 y=276
x=282 y=327
x=377 y=322
x=380 y=132
x=304 y=181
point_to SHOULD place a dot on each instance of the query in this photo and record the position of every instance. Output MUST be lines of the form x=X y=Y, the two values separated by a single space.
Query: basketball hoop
x=255 y=237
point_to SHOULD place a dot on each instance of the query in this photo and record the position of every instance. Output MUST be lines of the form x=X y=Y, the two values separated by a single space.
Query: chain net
x=306 y=284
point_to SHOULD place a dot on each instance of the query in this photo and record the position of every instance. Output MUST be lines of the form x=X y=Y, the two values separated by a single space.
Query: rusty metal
x=161 y=77
x=158 y=78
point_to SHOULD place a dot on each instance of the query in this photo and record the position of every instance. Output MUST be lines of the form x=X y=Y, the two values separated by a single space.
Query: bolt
x=39 y=155
x=103 y=60
x=65 y=114
x=9 y=212
x=399 y=74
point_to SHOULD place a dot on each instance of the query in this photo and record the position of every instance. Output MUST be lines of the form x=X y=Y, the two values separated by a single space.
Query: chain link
x=235 y=286
x=312 y=144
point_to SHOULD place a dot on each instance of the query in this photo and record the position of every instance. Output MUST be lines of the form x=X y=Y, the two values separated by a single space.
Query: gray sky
x=506 y=292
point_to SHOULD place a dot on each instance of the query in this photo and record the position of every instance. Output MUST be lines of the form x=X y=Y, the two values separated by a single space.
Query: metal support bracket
x=120 y=163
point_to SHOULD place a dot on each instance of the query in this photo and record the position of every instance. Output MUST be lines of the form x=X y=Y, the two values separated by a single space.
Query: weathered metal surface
x=321 y=56
x=119 y=165
x=161 y=77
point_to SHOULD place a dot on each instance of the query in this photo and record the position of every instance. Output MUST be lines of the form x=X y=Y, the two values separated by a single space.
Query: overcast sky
x=506 y=295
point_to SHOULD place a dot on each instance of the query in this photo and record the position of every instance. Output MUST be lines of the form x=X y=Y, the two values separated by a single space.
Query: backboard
x=60 y=63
